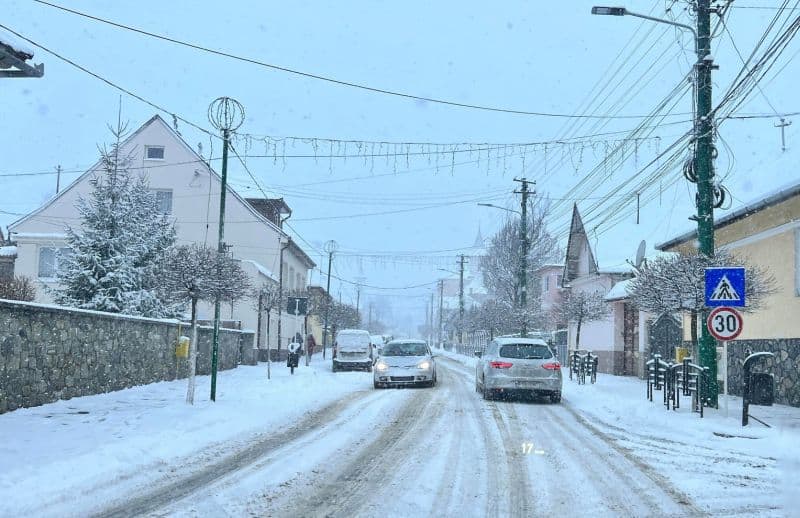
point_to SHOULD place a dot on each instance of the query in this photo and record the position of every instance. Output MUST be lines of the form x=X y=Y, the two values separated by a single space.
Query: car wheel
x=333 y=367
x=376 y=385
x=486 y=393
x=555 y=397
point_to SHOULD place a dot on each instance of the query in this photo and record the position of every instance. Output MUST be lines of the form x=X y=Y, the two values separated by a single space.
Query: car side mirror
x=478 y=353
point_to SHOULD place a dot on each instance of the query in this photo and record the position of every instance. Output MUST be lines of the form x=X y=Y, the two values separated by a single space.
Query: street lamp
x=499 y=207
x=703 y=160
x=621 y=11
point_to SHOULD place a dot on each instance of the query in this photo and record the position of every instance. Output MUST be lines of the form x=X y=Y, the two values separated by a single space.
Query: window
x=558 y=281
x=51 y=259
x=526 y=351
x=163 y=200
x=154 y=152
x=546 y=283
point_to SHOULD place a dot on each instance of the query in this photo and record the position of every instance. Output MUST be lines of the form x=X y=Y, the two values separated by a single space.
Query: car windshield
x=526 y=351
x=405 y=349
x=476 y=206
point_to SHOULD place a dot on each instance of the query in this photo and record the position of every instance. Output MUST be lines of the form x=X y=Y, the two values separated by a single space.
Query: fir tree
x=118 y=245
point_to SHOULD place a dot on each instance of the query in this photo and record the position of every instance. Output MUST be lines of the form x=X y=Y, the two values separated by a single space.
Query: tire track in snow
x=640 y=494
x=348 y=490
x=180 y=487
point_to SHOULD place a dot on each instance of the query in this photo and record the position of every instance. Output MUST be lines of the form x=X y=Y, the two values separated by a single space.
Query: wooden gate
x=665 y=334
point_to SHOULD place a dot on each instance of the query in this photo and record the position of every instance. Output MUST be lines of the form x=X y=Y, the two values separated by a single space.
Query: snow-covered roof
x=619 y=291
x=261 y=269
x=8 y=251
x=618 y=268
x=16 y=44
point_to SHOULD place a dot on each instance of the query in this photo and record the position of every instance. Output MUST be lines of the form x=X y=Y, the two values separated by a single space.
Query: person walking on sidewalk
x=310 y=344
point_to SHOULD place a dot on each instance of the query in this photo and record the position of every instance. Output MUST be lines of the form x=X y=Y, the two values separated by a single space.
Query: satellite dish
x=640 y=254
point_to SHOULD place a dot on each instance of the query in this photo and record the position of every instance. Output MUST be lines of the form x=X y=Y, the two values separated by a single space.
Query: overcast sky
x=527 y=56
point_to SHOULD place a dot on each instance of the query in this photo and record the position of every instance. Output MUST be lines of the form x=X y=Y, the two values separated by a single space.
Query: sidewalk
x=72 y=449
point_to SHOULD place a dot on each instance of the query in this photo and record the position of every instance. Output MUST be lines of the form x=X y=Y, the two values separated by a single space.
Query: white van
x=352 y=350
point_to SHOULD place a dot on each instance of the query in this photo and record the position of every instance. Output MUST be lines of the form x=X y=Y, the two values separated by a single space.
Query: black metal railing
x=685 y=379
x=581 y=364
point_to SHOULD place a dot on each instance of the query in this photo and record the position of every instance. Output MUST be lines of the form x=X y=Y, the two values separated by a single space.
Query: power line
x=330 y=79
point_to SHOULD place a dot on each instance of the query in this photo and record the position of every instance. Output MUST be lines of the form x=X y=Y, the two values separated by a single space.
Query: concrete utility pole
x=226 y=115
x=703 y=161
x=461 y=262
x=704 y=170
x=58 y=178
x=330 y=247
x=441 y=304
x=523 y=260
x=431 y=336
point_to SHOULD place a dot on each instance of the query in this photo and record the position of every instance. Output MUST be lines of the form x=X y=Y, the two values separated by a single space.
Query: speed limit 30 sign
x=724 y=323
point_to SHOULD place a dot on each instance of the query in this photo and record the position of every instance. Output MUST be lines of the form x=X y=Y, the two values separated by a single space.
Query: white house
x=188 y=189
x=617 y=339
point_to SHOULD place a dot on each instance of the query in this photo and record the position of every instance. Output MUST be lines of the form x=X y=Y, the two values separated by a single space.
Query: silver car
x=510 y=365
x=405 y=362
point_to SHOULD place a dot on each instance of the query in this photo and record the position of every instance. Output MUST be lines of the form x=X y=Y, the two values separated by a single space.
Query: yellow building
x=764 y=233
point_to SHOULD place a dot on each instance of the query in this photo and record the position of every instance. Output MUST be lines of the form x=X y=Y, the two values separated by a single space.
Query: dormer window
x=154 y=152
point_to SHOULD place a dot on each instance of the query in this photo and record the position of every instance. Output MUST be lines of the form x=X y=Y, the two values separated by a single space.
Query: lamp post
x=522 y=274
x=226 y=115
x=703 y=160
x=331 y=247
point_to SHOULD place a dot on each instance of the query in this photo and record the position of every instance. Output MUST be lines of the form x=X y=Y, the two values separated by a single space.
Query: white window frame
x=155 y=192
x=56 y=261
x=147 y=155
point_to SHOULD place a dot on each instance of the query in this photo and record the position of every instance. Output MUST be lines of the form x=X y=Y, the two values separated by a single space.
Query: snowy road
x=423 y=452
x=325 y=444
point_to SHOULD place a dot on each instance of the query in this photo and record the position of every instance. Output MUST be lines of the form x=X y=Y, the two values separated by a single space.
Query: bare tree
x=17 y=288
x=501 y=264
x=580 y=307
x=267 y=297
x=676 y=283
x=198 y=273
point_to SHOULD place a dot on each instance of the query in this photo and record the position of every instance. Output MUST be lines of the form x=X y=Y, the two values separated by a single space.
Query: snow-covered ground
x=325 y=444
x=70 y=457
x=714 y=460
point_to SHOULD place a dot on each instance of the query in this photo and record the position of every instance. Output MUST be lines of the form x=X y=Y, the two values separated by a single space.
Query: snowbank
x=50 y=454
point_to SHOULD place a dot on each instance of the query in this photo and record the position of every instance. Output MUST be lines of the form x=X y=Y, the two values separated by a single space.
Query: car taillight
x=500 y=365
x=552 y=366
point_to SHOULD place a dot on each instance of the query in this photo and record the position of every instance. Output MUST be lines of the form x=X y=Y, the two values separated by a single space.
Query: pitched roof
x=577 y=239
x=773 y=198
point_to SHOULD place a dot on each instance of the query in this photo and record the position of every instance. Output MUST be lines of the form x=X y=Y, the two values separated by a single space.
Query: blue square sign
x=725 y=287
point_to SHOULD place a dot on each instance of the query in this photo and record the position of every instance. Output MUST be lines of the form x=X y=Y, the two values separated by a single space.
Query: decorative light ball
x=225 y=113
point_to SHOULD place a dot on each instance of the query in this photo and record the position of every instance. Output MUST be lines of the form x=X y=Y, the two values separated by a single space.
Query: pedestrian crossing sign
x=725 y=287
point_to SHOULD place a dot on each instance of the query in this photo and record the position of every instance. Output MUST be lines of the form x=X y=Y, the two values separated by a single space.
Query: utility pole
x=704 y=171
x=58 y=178
x=330 y=247
x=461 y=262
x=226 y=115
x=441 y=304
x=369 y=321
x=431 y=335
x=523 y=259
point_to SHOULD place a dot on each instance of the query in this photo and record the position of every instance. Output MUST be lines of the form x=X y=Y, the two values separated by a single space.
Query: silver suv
x=511 y=365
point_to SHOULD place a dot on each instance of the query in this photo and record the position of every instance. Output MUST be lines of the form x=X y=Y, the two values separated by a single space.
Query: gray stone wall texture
x=49 y=353
x=785 y=366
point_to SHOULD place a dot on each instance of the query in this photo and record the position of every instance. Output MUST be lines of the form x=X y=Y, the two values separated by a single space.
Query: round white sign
x=724 y=323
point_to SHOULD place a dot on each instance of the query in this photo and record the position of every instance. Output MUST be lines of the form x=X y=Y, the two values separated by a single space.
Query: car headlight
x=424 y=365
x=381 y=366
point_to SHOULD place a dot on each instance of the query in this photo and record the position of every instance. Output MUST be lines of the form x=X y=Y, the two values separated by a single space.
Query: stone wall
x=49 y=353
x=785 y=366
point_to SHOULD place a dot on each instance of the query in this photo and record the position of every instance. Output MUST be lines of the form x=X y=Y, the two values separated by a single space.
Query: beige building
x=188 y=190
x=765 y=233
